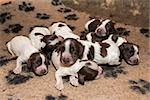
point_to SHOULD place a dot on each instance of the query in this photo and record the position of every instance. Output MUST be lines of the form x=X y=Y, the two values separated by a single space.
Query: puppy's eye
x=72 y=49
x=138 y=53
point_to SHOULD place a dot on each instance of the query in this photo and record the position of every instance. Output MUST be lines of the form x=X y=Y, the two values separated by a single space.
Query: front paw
x=17 y=70
x=74 y=81
x=59 y=86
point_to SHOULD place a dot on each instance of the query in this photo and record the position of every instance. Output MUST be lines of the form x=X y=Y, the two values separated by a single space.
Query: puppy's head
x=38 y=64
x=105 y=29
x=71 y=50
x=130 y=53
x=90 y=71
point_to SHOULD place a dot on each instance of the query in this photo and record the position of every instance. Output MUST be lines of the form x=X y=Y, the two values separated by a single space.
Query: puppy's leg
x=59 y=81
x=18 y=68
x=73 y=80
x=9 y=49
x=63 y=72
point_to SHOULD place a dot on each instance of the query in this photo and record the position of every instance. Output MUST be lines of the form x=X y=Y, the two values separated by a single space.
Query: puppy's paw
x=17 y=70
x=74 y=81
x=59 y=86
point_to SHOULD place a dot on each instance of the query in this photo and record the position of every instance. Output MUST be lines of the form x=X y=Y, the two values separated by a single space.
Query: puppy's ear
x=29 y=65
x=47 y=61
x=81 y=79
x=81 y=50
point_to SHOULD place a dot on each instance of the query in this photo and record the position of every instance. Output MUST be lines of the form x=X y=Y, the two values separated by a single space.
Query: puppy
x=101 y=28
x=22 y=47
x=36 y=35
x=86 y=69
x=61 y=29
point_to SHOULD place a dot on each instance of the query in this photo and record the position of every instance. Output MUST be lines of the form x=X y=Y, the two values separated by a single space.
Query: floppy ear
x=47 y=61
x=29 y=64
x=81 y=50
x=81 y=79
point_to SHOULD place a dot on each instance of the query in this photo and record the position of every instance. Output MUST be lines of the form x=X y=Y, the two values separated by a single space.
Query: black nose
x=66 y=60
x=136 y=61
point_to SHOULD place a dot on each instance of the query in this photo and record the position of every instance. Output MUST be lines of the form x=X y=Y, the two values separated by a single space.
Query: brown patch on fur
x=93 y=25
x=103 y=49
x=86 y=74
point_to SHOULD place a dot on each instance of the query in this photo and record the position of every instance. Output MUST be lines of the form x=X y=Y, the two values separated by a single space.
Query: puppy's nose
x=136 y=61
x=66 y=60
x=99 y=30
x=43 y=72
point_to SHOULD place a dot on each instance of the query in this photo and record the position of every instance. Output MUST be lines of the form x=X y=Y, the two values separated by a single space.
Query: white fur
x=36 y=40
x=20 y=46
x=89 y=36
x=63 y=31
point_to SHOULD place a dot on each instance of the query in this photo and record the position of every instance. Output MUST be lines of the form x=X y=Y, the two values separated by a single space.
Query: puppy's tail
x=6 y=58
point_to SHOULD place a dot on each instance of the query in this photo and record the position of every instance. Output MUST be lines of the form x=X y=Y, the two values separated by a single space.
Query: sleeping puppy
x=129 y=51
x=21 y=47
x=101 y=28
x=86 y=69
x=102 y=53
x=61 y=29
x=36 y=35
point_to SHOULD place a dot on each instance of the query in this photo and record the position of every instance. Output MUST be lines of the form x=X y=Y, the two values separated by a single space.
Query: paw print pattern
x=27 y=7
x=113 y=71
x=145 y=32
x=14 y=28
x=56 y=2
x=2 y=62
x=5 y=16
x=42 y=16
x=71 y=17
x=64 y=10
x=122 y=31
x=141 y=86
x=61 y=97
x=15 y=79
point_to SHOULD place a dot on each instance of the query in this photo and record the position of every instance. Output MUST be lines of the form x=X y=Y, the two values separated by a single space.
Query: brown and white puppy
x=101 y=28
x=22 y=47
x=61 y=29
x=36 y=35
x=128 y=51
x=102 y=53
x=86 y=69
